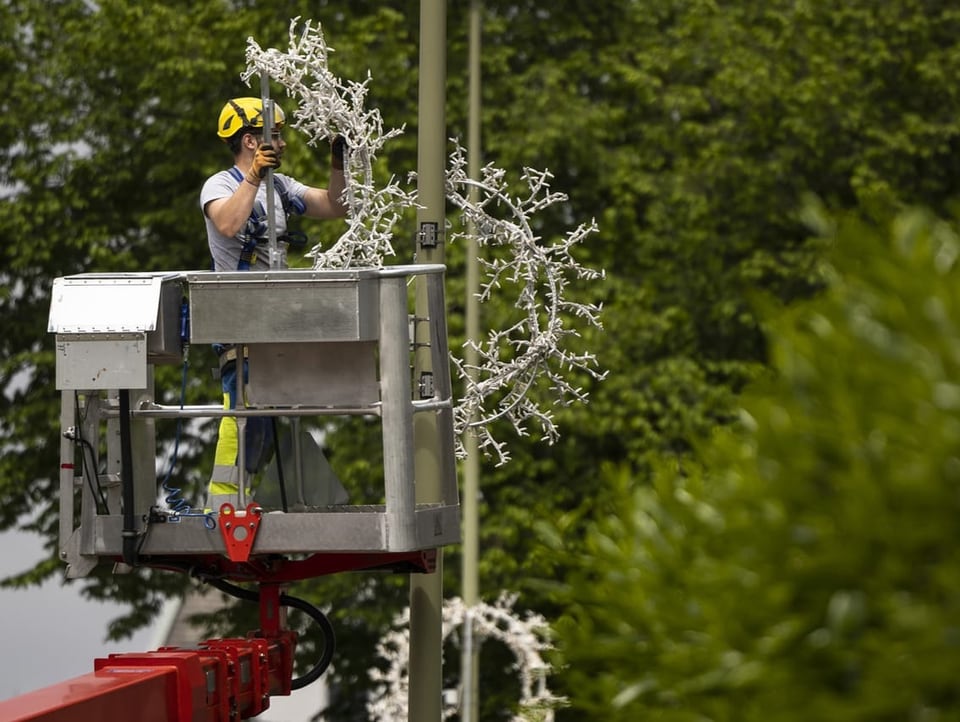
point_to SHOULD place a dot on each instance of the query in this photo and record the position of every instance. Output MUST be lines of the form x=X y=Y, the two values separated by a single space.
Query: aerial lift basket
x=331 y=342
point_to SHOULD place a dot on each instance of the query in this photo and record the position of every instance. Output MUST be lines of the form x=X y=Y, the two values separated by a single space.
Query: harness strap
x=249 y=243
x=258 y=216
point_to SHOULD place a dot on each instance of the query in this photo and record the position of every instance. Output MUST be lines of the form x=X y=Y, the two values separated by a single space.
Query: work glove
x=338 y=147
x=265 y=158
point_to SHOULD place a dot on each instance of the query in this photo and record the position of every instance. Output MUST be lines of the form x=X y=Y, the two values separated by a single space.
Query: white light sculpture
x=530 y=352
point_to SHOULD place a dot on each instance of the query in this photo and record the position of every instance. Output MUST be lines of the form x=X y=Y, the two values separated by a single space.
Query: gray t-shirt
x=226 y=250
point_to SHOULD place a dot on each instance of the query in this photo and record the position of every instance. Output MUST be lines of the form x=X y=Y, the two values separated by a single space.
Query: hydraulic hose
x=326 y=629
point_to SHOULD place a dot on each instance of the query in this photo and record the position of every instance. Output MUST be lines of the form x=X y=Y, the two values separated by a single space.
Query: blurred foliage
x=691 y=130
x=805 y=567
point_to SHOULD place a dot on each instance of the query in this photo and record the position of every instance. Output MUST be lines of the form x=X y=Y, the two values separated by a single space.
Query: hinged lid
x=109 y=303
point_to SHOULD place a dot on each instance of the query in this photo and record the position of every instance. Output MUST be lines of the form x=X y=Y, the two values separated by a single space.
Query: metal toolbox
x=110 y=327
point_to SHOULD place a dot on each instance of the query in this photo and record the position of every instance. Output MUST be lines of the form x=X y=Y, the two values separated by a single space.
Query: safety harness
x=255 y=230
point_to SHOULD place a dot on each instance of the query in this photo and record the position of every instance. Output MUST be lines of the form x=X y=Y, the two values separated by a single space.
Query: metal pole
x=470 y=654
x=68 y=474
x=274 y=264
x=271 y=200
x=395 y=392
x=241 y=432
x=426 y=590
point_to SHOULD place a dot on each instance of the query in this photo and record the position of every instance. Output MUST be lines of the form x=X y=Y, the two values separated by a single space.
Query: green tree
x=94 y=163
x=689 y=129
x=806 y=569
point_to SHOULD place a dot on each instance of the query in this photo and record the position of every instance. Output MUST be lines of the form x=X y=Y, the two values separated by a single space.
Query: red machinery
x=222 y=680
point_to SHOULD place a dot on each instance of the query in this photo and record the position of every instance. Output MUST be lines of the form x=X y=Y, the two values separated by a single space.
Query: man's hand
x=265 y=158
x=337 y=148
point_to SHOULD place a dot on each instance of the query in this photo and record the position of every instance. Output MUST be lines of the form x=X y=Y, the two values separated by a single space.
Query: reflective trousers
x=258 y=444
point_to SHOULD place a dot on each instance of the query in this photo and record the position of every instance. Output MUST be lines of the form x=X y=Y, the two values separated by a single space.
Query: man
x=234 y=204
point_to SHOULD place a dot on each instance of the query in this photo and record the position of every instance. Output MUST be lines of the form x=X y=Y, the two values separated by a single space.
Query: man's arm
x=230 y=214
x=325 y=202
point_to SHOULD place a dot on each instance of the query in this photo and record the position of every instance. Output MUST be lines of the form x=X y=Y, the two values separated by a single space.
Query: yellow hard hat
x=245 y=113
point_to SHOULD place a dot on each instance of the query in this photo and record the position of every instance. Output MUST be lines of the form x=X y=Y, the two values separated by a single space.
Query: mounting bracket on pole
x=429 y=234
x=426 y=385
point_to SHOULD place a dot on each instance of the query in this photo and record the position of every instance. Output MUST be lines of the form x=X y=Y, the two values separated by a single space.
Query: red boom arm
x=221 y=681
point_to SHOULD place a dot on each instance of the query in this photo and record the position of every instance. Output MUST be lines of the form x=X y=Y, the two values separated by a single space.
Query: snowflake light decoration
x=525 y=637
x=531 y=350
x=326 y=107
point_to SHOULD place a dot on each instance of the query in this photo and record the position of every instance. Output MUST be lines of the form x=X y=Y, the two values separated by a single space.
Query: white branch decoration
x=328 y=107
x=525 y=637
x=528 y=353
